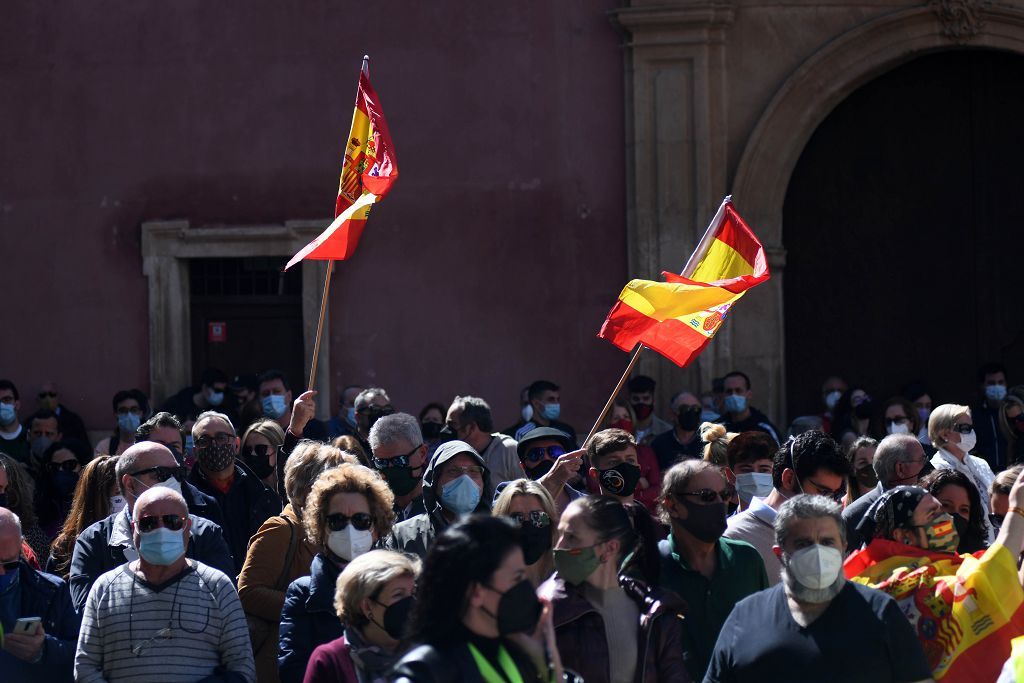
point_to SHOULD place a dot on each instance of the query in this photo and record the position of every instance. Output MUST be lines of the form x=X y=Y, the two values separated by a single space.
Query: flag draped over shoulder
x=678 y=317
x=367 y=174
x=964 y=609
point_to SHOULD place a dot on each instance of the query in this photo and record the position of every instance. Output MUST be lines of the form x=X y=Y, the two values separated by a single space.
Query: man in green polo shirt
x=710 y=572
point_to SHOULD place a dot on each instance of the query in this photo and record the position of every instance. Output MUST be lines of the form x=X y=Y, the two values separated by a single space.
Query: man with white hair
x=163 y=618
x=399 y=454
x=816 y=625
x=469 y=419
x=46 y=651
x=108 y=543
x=244 y=499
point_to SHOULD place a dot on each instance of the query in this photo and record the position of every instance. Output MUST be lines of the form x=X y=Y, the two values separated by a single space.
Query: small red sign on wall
x=217 y=332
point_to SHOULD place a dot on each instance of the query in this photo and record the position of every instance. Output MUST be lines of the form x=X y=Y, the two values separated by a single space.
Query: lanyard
x=489 y=673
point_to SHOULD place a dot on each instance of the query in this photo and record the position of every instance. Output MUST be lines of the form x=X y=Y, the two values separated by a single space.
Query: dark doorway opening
x=902 y=226
x=246 y=316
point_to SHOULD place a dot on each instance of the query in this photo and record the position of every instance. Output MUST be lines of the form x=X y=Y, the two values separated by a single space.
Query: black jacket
x=454 y=663
x=308 y=618
x=46 y=596
x=246 y=506
x=93 y=554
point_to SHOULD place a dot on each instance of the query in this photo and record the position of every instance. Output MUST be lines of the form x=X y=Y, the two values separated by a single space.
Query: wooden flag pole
x=611 y=399
x=320 y=326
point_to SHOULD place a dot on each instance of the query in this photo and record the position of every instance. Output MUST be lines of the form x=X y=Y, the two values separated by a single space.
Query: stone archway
x=798 y=108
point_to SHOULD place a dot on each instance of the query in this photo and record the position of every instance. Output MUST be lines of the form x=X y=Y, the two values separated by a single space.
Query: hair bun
x=711 y=431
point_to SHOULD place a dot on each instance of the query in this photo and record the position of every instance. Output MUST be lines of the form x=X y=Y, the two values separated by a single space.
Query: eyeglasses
x=67 y=466
x=963 y=428
x=456 y=471
x=134 y=410
x=162 y=634
x=261 y=449
x=826 y=491
x=338 y=521
x=397 y=461
x=222 y=439
x=379 y=411
x=162 y=473
x=10 y=566
x=537 y=518
x=47 y=394
x=710 y=495
x=535 y=455
x=151 y=522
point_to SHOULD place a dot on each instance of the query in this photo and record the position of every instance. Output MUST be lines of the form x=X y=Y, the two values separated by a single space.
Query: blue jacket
x=94 y=555
x=308 y=618
x=47 y=596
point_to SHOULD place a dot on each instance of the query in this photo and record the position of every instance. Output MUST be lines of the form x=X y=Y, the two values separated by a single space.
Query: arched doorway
x=903 y=225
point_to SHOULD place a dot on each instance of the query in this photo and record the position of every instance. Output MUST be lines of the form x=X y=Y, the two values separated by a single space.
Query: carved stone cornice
x=961 y=19
x=667 y=24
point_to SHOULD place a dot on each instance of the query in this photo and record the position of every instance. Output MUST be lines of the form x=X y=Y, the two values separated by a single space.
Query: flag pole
x=320 y=325
x=611 y=399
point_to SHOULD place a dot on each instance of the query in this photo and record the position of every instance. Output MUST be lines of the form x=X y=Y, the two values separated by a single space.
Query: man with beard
x=815 y=625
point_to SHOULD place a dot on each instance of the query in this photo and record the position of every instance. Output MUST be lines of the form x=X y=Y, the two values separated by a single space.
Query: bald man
x=46 y=652
x=108 y=543
x=163 y=617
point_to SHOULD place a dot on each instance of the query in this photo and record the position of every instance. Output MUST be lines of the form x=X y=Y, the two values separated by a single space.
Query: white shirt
x=975 y=469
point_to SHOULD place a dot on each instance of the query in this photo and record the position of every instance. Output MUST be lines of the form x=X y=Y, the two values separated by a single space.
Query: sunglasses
x=262 y=450
x=222 y=439
x=535 y=455
x=537 y=518
x=361 y=521
x=378 y=411
x=163 y=473
x=47 y=394
x=963 y=428
x=151 y=522
x=10 y=566
x=397 y=461
x=710 y=495
x=67 y=466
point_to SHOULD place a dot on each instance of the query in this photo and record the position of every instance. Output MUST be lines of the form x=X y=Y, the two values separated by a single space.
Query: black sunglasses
x=151 y=522
x=397 y=461
x=162 y=473
x=537 y=518
x=963 y=428
x=710 y=495
x=535 y=455
x=260 y=449
x=338 y=521
x=67 y=466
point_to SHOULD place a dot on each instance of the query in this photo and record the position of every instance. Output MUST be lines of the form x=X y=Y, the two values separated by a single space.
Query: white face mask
x=171 y=483
x=832 y=398
x=751 y=484
x=816 y=567
x=527 y=412
x=117 y=503
x=350 y=543
x=894 y=428
x=968 y=441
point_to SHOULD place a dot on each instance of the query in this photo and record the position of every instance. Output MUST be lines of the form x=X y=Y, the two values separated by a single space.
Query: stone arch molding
x=837 y=70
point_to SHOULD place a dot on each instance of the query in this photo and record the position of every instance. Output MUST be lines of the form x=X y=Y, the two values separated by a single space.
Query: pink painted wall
x=492 y=262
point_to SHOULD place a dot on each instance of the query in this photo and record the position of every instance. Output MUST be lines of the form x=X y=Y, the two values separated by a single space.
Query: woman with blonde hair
x=716 y=451
x=96 y=497
x=260 y=451
x=951 y=429
x=280 y=552
x=529 y=505
x=350 y=508
x=373 y=599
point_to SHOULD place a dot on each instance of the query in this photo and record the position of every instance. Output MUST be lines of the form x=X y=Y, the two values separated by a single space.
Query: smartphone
x=26 y=625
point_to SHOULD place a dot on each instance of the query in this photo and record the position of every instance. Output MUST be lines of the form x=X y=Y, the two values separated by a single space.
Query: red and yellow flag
x=367 y=174
x=964 y=609
x=678 y=317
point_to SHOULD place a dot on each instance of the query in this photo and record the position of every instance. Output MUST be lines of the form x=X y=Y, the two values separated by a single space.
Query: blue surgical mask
x=273 y=406
x=350 y=415
x=128 y=422
x=995 y=392
x=189 y=444
x=552 y=411
x=7 y=414
x=216 y=398
x=735 y=403
x=461 y=495
x=161 y=546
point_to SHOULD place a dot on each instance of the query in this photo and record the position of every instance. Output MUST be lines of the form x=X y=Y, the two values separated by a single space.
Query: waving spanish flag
x=678 y=317
x=964 y=609
x=367 y=174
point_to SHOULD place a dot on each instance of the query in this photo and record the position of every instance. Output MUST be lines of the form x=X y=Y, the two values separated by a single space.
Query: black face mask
x=518 y=610
x=705 y=522
x=620 y=480
x=3 y=501
x=969 y=543
x=864 y=409
x=401 y=480
x=689 y=418
x=432 y=430
x=540 y=470
x=536 y=540
x=396 y=616
x=259 y=464
x=65 y=483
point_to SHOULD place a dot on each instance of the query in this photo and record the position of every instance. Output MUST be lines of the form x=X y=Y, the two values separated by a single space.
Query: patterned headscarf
x=894 y=509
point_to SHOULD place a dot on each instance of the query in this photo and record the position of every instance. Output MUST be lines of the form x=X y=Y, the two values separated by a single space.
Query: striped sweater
x=183 y=631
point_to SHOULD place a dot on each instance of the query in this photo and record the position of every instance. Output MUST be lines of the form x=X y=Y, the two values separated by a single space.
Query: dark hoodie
x=416 y=534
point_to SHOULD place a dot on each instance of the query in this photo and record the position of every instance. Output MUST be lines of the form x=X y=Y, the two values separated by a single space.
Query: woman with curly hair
x=17 y=494
x=348 y=510
x=962 y=501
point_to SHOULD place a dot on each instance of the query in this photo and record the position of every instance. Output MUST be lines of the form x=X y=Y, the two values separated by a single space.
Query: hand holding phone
x=26 y=626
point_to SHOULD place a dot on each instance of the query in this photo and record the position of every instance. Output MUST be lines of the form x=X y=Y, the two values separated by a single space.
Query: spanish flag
x=367 y=174
x=678 y=317
x=965 y=609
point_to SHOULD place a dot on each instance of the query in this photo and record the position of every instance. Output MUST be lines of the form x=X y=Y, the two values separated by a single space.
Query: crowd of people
x=230 y=536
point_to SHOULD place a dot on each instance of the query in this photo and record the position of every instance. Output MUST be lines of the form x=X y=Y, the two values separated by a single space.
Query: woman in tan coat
x=279 y=553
